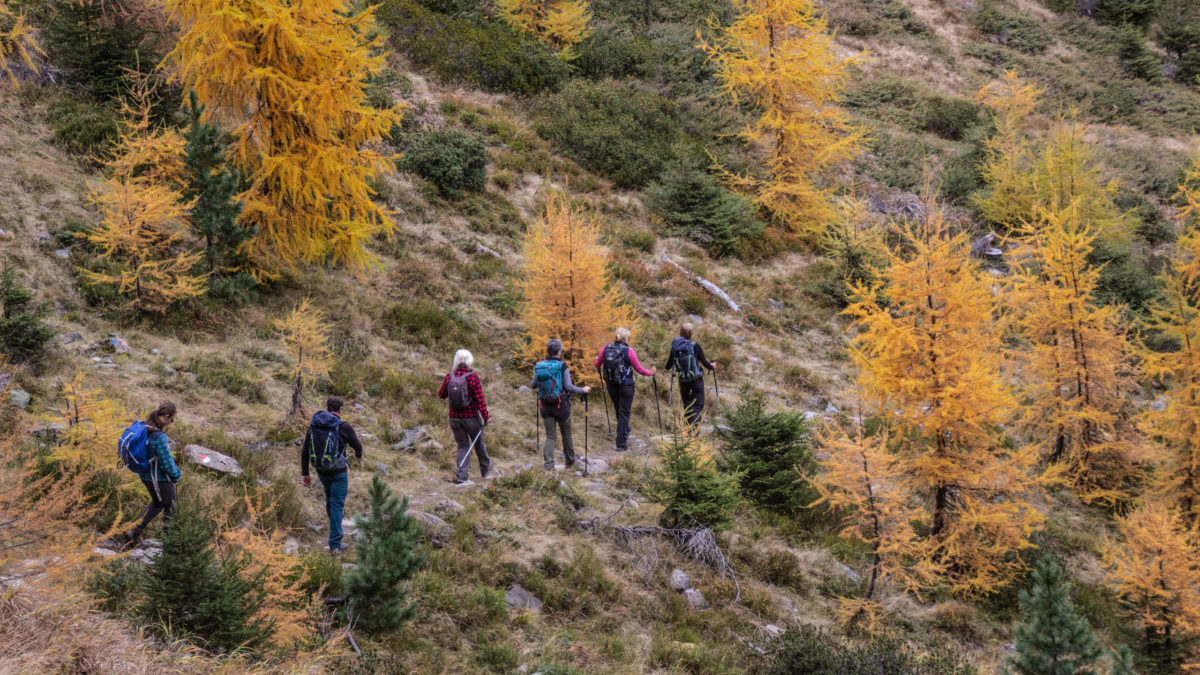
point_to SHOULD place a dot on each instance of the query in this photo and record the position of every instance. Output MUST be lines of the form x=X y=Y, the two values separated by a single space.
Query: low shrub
x=1136 y=58
x=807 y=649
x=215 y=372
x=1178 y=32
x=1012 y=28
x=428 y=324
x=694 y=205
x=453 y=160
x=83 y=128
x=950 y=118
x=23 y=331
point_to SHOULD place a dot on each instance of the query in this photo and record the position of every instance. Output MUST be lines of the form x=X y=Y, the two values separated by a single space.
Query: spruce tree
x=214 y=217
x=22 y=329
x=196 y=592
x=1054 y=640
x=388 y=554
x=1122 y=660
x=771 y=452
x=691 y=488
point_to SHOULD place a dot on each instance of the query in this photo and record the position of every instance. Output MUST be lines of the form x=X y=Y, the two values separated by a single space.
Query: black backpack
x=458 y=391
x=326 y=451
x=617 y=367
x=683 y=360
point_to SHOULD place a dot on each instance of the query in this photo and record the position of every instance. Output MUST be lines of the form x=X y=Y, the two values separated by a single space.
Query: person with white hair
x=468 y=415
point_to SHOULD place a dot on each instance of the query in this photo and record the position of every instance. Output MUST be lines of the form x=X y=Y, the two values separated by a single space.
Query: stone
x=695 y=598
x=349 y=566
x=119 y=345
x=315 y=527
x=465 y=484
x=831 y=410
x=5 y=378
x=437 y=530
x=291 y=546
x=448 y=507
x=103 y=552
x=68 y=338
x=772 y=630
x=850 y=574
x=20 y=398
x=212 y=459
x=63 y=253
x=383 y=469
x=522 y=599
x=411 y=438
x=696 y=319
x=594 y=465
x=775 y=304
x=1157 y=405
x=41 y=237
x=524 y=389
x=156 y=352
x=679 y=580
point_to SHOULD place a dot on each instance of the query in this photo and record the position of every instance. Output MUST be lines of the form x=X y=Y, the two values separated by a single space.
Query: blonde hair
x=462 y=358
x=623 y=334
x=685 y=330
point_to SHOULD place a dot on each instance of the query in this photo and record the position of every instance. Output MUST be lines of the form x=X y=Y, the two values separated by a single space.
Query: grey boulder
x=202 y=456
x=522 y=599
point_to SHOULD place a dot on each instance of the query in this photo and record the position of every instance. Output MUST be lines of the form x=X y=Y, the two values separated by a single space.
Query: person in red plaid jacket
x=468 y=415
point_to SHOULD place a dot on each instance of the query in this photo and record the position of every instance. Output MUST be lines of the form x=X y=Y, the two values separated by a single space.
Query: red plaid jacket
x=478 y=404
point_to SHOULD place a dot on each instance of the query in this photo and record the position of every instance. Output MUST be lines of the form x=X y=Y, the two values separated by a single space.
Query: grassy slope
x=610 y=609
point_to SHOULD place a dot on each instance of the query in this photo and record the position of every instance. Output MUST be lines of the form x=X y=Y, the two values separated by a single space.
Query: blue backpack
x=132 y=447
x=549 y=376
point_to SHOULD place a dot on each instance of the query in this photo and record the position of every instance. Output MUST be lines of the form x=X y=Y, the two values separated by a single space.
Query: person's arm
x=700 y=358
x=347 y=433
x=637 y=366
x=568 y=385
x=477 y=394
x=304 y=453
x=442 y=393
x=600 y=358
x=533 y=382
x=166 y=463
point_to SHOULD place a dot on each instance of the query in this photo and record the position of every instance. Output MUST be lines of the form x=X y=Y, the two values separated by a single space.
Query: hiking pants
x=692 y=395
x=336 y=486
x=622 y=398
x=162 y=498
x=557 y=417
x=465 y=430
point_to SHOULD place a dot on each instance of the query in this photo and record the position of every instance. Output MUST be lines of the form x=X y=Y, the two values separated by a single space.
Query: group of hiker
x=145 y=448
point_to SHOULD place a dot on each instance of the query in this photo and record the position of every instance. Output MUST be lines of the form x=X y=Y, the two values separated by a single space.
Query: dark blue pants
x=336 y=485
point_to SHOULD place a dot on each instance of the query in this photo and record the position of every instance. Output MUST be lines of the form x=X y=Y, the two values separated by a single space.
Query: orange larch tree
x=778 y=58
x=568 y=291
x=17 y=41
x=289 y=79
x=1007 y=168
x=305 y=334
x=562 y=24
x=930 y=357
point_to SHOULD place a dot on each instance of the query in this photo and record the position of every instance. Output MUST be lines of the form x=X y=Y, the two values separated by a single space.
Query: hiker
x=552 y=381
x=325 y=449
x=468 y=415
x=686 y=359
x=617 y=363
x=159 y=474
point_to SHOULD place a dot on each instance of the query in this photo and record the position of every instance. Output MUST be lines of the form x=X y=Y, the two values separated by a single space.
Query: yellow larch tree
x=17 y=41
x=305 y=335
x=778 y=58
x=562 y=24
x=1009 y=153
x=569 y=294
x=1177 y=317
x=1075 y=364
x=288 y=79
x=143 y=217
x=930 y=355
x=1155 y=569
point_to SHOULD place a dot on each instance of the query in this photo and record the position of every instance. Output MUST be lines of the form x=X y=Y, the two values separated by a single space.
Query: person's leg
x=697 y=405
x=149 y=513
x=551 y=424
x=687 y=396
x=335 y=504
x=485 y=460
x=623 y=402
x=166 y=491
x=463 y=440
x=564 y=426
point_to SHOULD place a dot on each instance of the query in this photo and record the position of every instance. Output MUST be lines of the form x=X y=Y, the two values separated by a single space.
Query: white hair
x=463 y=358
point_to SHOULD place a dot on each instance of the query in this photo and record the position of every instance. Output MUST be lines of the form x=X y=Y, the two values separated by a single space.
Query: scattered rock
x=41 y=237
x=156 y=352
x=315 y=527
x=850 y=574
x=216 y=461
x=772 y=630
x=520 y=598
x=480 y=248
x=695 y=319
x=63 y=253
x=439 y=531
x=775 y=304
x=383 y=469
x=145 y=556
x=68 y=338
x=695 y=598
x=412 y=438
x=831 y=410
x=262 y=482
x=349 y=566
x=291 y=546
x=679 y=580
x=465 y=484
x=448 y=507
x=5 y=378
x=524 y=389
x=103 y=552
x=119 y=345
x=20 y=398
x=594 y=466
x=47 y=432
x=1157 y=405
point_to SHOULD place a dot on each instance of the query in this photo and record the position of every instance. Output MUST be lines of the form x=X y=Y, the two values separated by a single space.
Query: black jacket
x=349 y=438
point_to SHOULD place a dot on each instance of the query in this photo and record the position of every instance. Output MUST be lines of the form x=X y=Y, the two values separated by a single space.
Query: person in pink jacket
x=617 y=362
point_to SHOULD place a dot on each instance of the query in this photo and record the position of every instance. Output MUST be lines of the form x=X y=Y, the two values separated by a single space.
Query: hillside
x=636 y=112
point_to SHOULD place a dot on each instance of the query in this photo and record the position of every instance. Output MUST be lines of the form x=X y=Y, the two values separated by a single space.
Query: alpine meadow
x=600 y=336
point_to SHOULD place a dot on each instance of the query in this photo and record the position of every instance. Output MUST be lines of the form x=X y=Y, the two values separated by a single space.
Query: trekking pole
x=585 y=434
x=470 y=448
x=657 y=409
x=604 y=397
x=670 y=405
x=717 y=387
x=537 y=427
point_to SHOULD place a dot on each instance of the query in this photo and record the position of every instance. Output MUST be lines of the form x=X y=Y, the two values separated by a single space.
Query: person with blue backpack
x=145 y=449
x=687 y=359
x=617 y=363
x=324 y=449
x=552 y=382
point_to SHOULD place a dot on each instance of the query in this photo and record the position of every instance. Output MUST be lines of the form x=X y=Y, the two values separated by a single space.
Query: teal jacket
x=162 y=465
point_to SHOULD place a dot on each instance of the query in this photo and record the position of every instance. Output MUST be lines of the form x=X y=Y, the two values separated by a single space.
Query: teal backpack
x=549 y=377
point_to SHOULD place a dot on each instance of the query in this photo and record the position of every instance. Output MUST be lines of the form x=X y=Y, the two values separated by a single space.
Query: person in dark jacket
x=618 y=379
x=557 y=414
x=325 y=448
x=686 y=359
x=163 y=474
x=468 y=415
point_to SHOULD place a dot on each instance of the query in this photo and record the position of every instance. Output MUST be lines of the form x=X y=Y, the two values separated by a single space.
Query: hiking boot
x=620 y=449
x=569 y=464
x=342 y=548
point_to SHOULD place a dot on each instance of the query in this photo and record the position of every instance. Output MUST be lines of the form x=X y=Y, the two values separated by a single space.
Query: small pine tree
x=305 y=334
x=22 y=329
x=1054 y=639
x=212 y=188
x=388 y=554
x=771 y=452
x=691 y=202
x=1122 y=661
x=691 y=488
x=195 y=592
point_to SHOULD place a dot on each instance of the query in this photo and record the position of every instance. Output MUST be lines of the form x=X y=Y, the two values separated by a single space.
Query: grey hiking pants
x=557 y=418
x=467 y=429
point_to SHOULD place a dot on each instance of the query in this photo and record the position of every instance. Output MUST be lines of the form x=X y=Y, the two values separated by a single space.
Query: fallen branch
x=699 y=544
x=708 y=285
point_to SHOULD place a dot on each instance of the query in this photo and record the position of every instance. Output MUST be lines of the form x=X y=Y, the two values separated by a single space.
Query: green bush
x=808 y=649
x=1136 y=57
x=962 y=176
x=950 y=118
x=615 y=129
x=23 y=331
x=693 y=491
x=772 y=454
x=453 y=160
x=215 y=372
x=95 y=45
x=694 y=205
x=428 y=324
x=1013 y=28
x=1126 y=276
x=83 y=128
x=1129 y=12
x=1178 y=32
x=487 y=54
